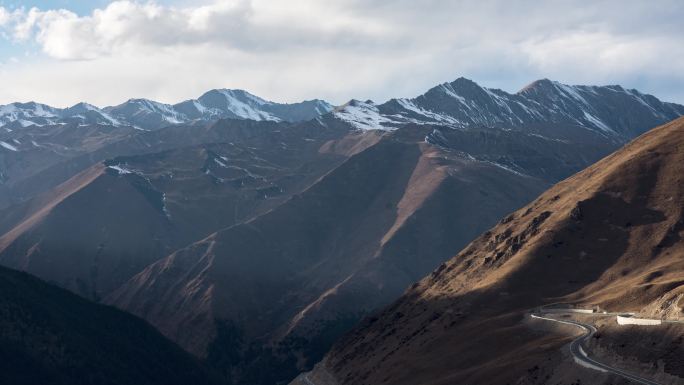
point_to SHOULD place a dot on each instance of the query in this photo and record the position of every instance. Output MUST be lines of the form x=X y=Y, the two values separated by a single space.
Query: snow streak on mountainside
x=148 y=114
x=611 y=111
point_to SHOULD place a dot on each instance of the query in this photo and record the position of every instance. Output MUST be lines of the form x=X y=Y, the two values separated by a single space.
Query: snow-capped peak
x=27 y=114
x=236 y=104
x=82 y=106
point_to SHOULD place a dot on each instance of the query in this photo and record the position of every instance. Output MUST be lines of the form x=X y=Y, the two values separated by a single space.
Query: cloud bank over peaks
x=335 y=50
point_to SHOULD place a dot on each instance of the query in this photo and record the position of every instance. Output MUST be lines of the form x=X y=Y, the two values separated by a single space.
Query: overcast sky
x=64 y=51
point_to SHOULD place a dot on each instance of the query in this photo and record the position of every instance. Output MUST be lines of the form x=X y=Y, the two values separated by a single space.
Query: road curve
x=581 y=357
x=578 y=353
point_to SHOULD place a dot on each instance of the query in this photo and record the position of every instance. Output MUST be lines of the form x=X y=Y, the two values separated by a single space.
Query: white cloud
x=296 y=49
x=4 y=16
x=122 y=25
x=127 y=25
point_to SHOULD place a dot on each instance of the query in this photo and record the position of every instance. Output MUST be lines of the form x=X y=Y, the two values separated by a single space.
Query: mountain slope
x=34 y=149
x=48 y=156
x=608 y=236
x=286 y=283
x=50 y=336
x=99 y=228
x=73 y=240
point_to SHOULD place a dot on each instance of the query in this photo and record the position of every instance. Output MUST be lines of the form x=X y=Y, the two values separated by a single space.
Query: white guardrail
x=623 y=320
x=566 y=310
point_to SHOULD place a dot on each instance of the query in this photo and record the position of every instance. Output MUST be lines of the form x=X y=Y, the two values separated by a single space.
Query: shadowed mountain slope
x=74 y=239
x=109 y=222
x=286 y=283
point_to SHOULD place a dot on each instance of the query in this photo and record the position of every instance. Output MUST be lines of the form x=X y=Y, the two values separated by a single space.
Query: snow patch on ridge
x=448 y=89
x=245 y=109
x=364 y=116
x=442 y=118
x=220 y=163
x=121 y=170
x=597 y=123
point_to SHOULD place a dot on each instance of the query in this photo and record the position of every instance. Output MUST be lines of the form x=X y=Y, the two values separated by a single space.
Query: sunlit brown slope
x=609 y=236
x=276 y=291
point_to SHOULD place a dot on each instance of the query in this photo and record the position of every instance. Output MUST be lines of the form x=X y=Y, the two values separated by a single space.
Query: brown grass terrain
x=608 y=236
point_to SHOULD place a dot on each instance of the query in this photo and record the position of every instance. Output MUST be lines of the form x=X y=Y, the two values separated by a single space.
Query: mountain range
x=256 y=234
x=610 y=111
x=147 y=114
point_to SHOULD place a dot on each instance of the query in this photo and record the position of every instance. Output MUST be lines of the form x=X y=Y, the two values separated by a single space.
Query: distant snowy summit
x=610 y=110
x=149 y=115
x=18 y=115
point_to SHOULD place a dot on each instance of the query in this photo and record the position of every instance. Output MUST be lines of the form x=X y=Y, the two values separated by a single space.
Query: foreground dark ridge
x=50 y=336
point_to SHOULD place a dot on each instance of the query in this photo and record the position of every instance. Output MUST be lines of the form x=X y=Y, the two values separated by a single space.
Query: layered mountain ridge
x=274 y=237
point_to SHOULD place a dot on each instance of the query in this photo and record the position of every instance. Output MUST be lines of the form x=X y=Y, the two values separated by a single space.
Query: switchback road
x=580 y=356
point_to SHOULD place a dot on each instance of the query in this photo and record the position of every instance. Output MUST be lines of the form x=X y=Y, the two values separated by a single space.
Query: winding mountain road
x=581 y=357
x=576 y=346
